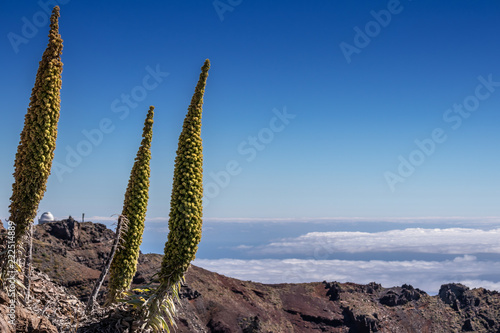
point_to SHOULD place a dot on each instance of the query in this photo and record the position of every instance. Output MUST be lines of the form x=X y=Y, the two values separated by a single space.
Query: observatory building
x=45 y=218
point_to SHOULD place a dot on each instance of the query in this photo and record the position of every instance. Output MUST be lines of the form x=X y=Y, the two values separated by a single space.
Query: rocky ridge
x=68 y=257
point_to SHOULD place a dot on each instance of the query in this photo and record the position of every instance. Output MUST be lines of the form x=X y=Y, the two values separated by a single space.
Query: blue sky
x=371 y=109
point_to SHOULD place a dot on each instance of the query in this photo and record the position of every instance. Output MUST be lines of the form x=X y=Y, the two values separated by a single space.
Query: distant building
x=46 y=217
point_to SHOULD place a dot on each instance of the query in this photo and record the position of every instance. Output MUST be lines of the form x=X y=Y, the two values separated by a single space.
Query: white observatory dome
x=46 y=217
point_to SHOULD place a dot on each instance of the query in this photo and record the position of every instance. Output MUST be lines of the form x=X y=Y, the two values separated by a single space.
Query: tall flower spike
x=124 y=264
x=186 y=209
x=38 y=138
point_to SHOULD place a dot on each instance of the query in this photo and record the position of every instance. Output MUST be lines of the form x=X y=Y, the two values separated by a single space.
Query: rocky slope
x=68 y=256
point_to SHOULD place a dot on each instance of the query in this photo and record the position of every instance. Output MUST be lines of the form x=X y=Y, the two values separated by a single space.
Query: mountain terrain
x=68 y=257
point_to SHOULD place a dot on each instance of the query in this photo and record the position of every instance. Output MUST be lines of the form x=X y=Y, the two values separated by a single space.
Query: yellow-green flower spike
x=38 y=138
x=185 y=219
x=186 y=209
x=124 y=264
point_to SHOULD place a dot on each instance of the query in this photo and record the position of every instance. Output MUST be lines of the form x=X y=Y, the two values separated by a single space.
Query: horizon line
x=408 y=219
x=319 y=219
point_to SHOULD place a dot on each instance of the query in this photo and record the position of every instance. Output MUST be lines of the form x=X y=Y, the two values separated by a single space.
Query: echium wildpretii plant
x=186 y=210
x=38 y=138
x=124 y=264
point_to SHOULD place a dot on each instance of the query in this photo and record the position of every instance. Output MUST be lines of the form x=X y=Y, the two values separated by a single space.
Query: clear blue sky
x=315 y=113
x=355 y=101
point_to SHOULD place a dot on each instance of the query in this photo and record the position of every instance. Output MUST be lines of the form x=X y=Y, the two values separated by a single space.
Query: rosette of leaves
x=124 y=264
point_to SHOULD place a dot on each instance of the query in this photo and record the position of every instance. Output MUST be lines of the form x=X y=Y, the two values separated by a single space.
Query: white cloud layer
x=418 y=240
x=426 y=275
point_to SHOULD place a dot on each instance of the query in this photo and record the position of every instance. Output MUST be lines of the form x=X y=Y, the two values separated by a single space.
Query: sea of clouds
x=425 y=253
